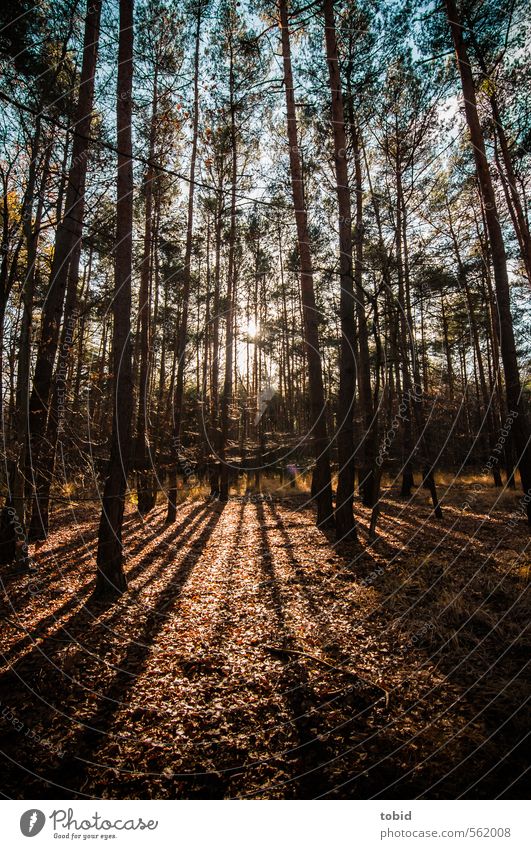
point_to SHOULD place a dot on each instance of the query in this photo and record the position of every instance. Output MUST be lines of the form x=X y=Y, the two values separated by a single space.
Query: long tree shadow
x=357 y=558
x=46 y=572
x=21 y=676
x=166 y=538
x=224 y=620
x=81 y=538
x=28 y=681
x=70 y=776
x=490 y=768
x=206 y=783
x=359 y=700
x=311 y=754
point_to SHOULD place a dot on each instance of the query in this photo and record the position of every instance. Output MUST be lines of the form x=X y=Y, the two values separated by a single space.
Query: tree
x=321 y=483
x=66 y=256
x=186 y=276
x=345 y=526
x=111 y=578
x=520 y=427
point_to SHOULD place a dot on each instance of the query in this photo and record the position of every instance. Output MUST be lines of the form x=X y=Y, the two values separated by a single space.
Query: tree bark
x=226 y=395
x=183 y=326
x=520 y=428
x=145 y=489
x=68 y=234
x=321 y=483
x=514 y=202
x=111 y=578
x=369 y=485
x=345 y=524
x=488 y=402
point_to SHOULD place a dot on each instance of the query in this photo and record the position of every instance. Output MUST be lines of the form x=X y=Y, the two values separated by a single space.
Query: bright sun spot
x=252 y=328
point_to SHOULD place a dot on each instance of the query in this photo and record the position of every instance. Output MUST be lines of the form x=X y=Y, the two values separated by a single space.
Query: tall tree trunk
x=183 y=326
x=111 y=578
x=214 y=431
x=488 y=402
x=286 y=338
x=226 y=396
x=321 y=483
x=44 y=457
x=406 y=399
x=447 y=347
x=32 y=233
x=514 y=201
x=68 y=234
x=369 y=480
x=345 y=524
x=412 y=401
x=145 y=489
x=520 y=428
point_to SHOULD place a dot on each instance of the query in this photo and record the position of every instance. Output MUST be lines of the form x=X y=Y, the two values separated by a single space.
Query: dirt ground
x=252 y=658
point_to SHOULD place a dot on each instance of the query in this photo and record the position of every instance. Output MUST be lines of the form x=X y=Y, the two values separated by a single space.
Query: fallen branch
x=342 y=669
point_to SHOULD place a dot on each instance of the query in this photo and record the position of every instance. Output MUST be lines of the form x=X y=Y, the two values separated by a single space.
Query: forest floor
x=253 y=658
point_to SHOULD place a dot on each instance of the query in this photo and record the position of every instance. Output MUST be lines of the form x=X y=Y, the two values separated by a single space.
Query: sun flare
x=252 y=329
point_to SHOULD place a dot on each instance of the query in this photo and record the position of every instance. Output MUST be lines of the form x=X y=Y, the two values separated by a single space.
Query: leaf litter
x=254 y=658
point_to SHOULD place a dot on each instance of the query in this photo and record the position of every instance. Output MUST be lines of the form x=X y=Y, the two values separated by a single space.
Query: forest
x=265 y=479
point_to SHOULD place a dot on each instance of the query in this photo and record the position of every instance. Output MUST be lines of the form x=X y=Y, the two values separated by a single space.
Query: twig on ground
x=342 y=669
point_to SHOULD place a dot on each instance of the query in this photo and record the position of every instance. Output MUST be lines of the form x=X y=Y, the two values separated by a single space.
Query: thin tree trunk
x=145 y=490
x=24 y=352
x=406 y=399
x=183 y=326
x=226 y=396
x=369 y=481
x=214 y=432
x=487 y=401
x=345 y=524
